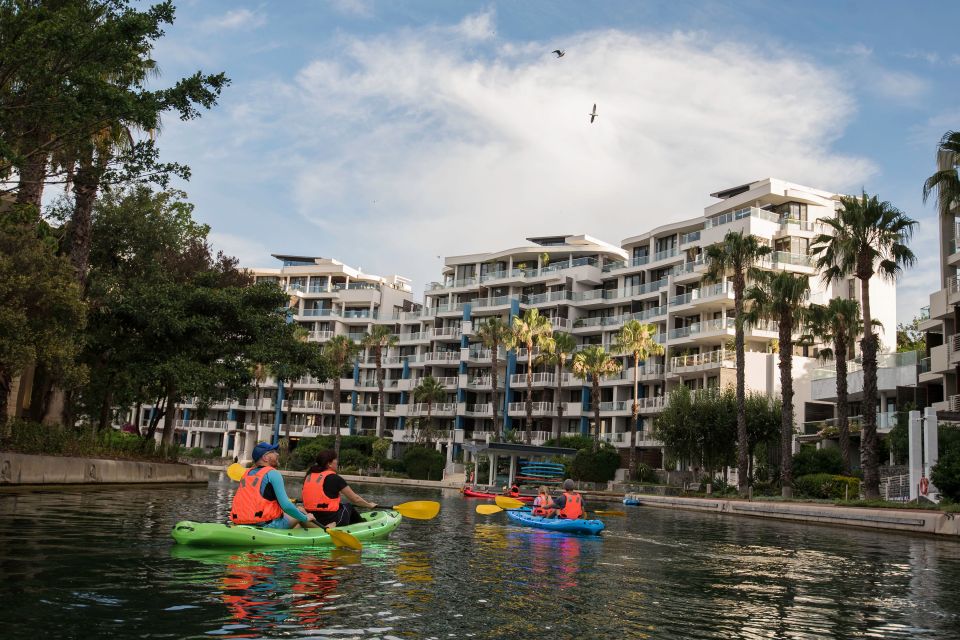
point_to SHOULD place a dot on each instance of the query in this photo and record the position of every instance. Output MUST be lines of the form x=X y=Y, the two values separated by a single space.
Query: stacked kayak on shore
x=527 y=519
x=473 y=493
x=631 y=502
x=376 y=525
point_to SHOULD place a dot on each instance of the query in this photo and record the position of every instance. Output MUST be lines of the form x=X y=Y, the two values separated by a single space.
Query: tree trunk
x=868 y=432
x=158 y=409
x=56 y=402
x=843 y=410
x=786 y=413
x=428 y=438
x=85 y=188
x=556 y=433
x=6 y=386
x=632 y=466
x=529 y=423
x=336 y=411
x=105 y=410
x=256 y=407
x=32 y=175
x=495 y=391
x=595 y=396
x=169 y=415
x=743 y=479
x=136 y=418
x=289 y=400
x=380 y=407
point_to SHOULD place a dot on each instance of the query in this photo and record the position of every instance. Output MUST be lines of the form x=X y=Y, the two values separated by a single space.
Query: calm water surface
x=100 y=563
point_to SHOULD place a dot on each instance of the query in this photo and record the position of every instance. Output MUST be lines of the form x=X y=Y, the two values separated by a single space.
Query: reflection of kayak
x=522 y=516
x=631 y=502
x=377 y=524
x=472 y=493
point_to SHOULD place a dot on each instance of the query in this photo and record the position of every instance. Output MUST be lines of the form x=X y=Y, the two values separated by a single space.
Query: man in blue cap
x=262 y=499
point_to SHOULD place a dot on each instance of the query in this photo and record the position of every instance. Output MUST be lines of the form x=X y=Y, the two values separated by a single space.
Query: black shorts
x=345 y=515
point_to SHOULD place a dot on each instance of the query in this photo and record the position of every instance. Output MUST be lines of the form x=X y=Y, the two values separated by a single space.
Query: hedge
x=595 y=467
x=810 y=461
x=826 y=486
x=424 y=464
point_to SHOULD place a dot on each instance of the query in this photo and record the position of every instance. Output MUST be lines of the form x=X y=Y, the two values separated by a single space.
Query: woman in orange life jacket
x=542 y=503
x=570 y=503
x=514 y=491
x=322 y=489
x=262 y=499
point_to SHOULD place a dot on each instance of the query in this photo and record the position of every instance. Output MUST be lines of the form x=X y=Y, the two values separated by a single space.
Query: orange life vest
x=514 y=491
x=314 y=498
x=249 y=505
x=540 y=506
x=573 y=508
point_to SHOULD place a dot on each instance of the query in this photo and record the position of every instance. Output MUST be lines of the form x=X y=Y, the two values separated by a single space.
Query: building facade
x=587 y=288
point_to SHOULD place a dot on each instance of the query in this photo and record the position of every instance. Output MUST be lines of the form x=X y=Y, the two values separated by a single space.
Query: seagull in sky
x=593 y=115
x=560 y=53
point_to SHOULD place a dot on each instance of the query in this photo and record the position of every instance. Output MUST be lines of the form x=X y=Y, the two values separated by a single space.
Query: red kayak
x=472 y=493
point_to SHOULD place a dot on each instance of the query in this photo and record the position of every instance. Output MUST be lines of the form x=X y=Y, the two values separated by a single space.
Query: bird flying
x=593 y=115
x=560 y=53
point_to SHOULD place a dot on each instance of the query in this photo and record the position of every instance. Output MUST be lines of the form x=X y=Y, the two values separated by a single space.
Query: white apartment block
x=588 y=288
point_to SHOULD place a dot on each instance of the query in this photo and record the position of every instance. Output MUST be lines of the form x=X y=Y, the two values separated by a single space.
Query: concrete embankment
x=22 y=469
x=914 y=520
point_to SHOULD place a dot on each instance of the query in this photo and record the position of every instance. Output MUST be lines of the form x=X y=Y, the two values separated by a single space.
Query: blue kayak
x=631 y=502
x=523 y=517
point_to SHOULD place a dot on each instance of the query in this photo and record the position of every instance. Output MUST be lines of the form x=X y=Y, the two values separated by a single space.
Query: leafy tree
x=910 y=337
x=764 y=422
x=429 y=391
x=838 y=324
x=556 y=351
x=737 y=257
x=867 y=237
x=40 y=305
x=699 y=427
x=494 y=333
x=594 y=363
x=339 y=353
x=376 y=341
x=636 y=339
x=529 y=330
x=779 y=296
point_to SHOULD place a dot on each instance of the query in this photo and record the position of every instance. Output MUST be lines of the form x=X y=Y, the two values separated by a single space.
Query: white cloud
x=358 y=8
x=479 y=26
x=898 y=85
x=930 y=57
x=422 y=143
x=236 y=19
x=248 y=252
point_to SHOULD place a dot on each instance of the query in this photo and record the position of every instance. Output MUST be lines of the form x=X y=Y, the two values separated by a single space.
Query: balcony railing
x=721 y=357
x=637 y=261
x=721 y=288
x=318 y=312
x=666 y=253
x=740 y=214
x=480 y=409
x=884 y=361
x=693 y=236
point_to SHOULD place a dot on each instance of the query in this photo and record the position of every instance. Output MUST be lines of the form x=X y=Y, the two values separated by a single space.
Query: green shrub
x=353 y=458
x=306 y=452
x=826 y=486
x=422 y=463
x=33 y=438
x=645 y=473
x=380 y=451
x=393 y=466
x=394 y=474
x=810 y=461
x=571 y=442
x=595 y=467
x=945 y=475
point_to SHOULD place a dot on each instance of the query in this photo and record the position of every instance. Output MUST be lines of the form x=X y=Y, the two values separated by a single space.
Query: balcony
x=539 y=379
x=543 y=298
x=724 y=289
x=687 y=238
x=418 y=336
x=448 y=333
x=319 y=336
x=482 y=383
x=357 y=286
x=540 y=409
x=638 y=261
x=314 y=313
x=321 y=405
x=374 y=409
x=439 y=357
x=703 y=361
x=439 y=409
x=479 y=410
x=893 y=370
x=496 y=301
x=782 y=259
x=740 y=214
x=666 y=254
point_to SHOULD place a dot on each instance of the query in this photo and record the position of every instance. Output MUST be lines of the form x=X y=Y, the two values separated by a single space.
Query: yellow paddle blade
x=344 y=539
x=488 y=509
x=611 y=513
x=418 y=509
x=505 y=502
x=235 y=471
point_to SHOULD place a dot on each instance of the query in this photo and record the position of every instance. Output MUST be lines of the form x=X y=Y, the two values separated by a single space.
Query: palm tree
x=594 y=363
x=340 y=352
x=867 y=237
x=493 y=334
x=636 y=338
x=838 y=323
x=376 y=341
x=944 y=185
x=260 y=374
x=556 y=350
x=779 y=296
x=528 y=330
x=737 y=256
x=429 y=390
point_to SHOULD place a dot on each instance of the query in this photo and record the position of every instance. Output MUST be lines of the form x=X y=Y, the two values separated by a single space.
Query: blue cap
x=262 y=449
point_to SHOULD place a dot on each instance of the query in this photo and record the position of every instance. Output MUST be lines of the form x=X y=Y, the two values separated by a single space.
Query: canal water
x=99 y=563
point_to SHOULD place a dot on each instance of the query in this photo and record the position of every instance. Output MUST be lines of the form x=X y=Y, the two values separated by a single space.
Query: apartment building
x=938 y=380
x=587 y=288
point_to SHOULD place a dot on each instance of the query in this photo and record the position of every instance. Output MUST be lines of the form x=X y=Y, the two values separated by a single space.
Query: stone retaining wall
x=923 y=521
x=23 y=469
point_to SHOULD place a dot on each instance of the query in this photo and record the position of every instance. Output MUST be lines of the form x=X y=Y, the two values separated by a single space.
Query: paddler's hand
x=311 y=518
x=373 y=505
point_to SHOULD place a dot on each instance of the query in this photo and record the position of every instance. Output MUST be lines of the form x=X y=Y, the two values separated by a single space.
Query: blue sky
x=385 y=134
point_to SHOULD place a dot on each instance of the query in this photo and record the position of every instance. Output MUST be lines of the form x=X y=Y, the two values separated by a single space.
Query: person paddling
x=262 y=499
x=570 y=503
x=322 y=489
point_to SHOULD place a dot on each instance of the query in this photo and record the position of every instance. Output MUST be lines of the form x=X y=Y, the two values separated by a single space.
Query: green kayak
x=376 y=524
